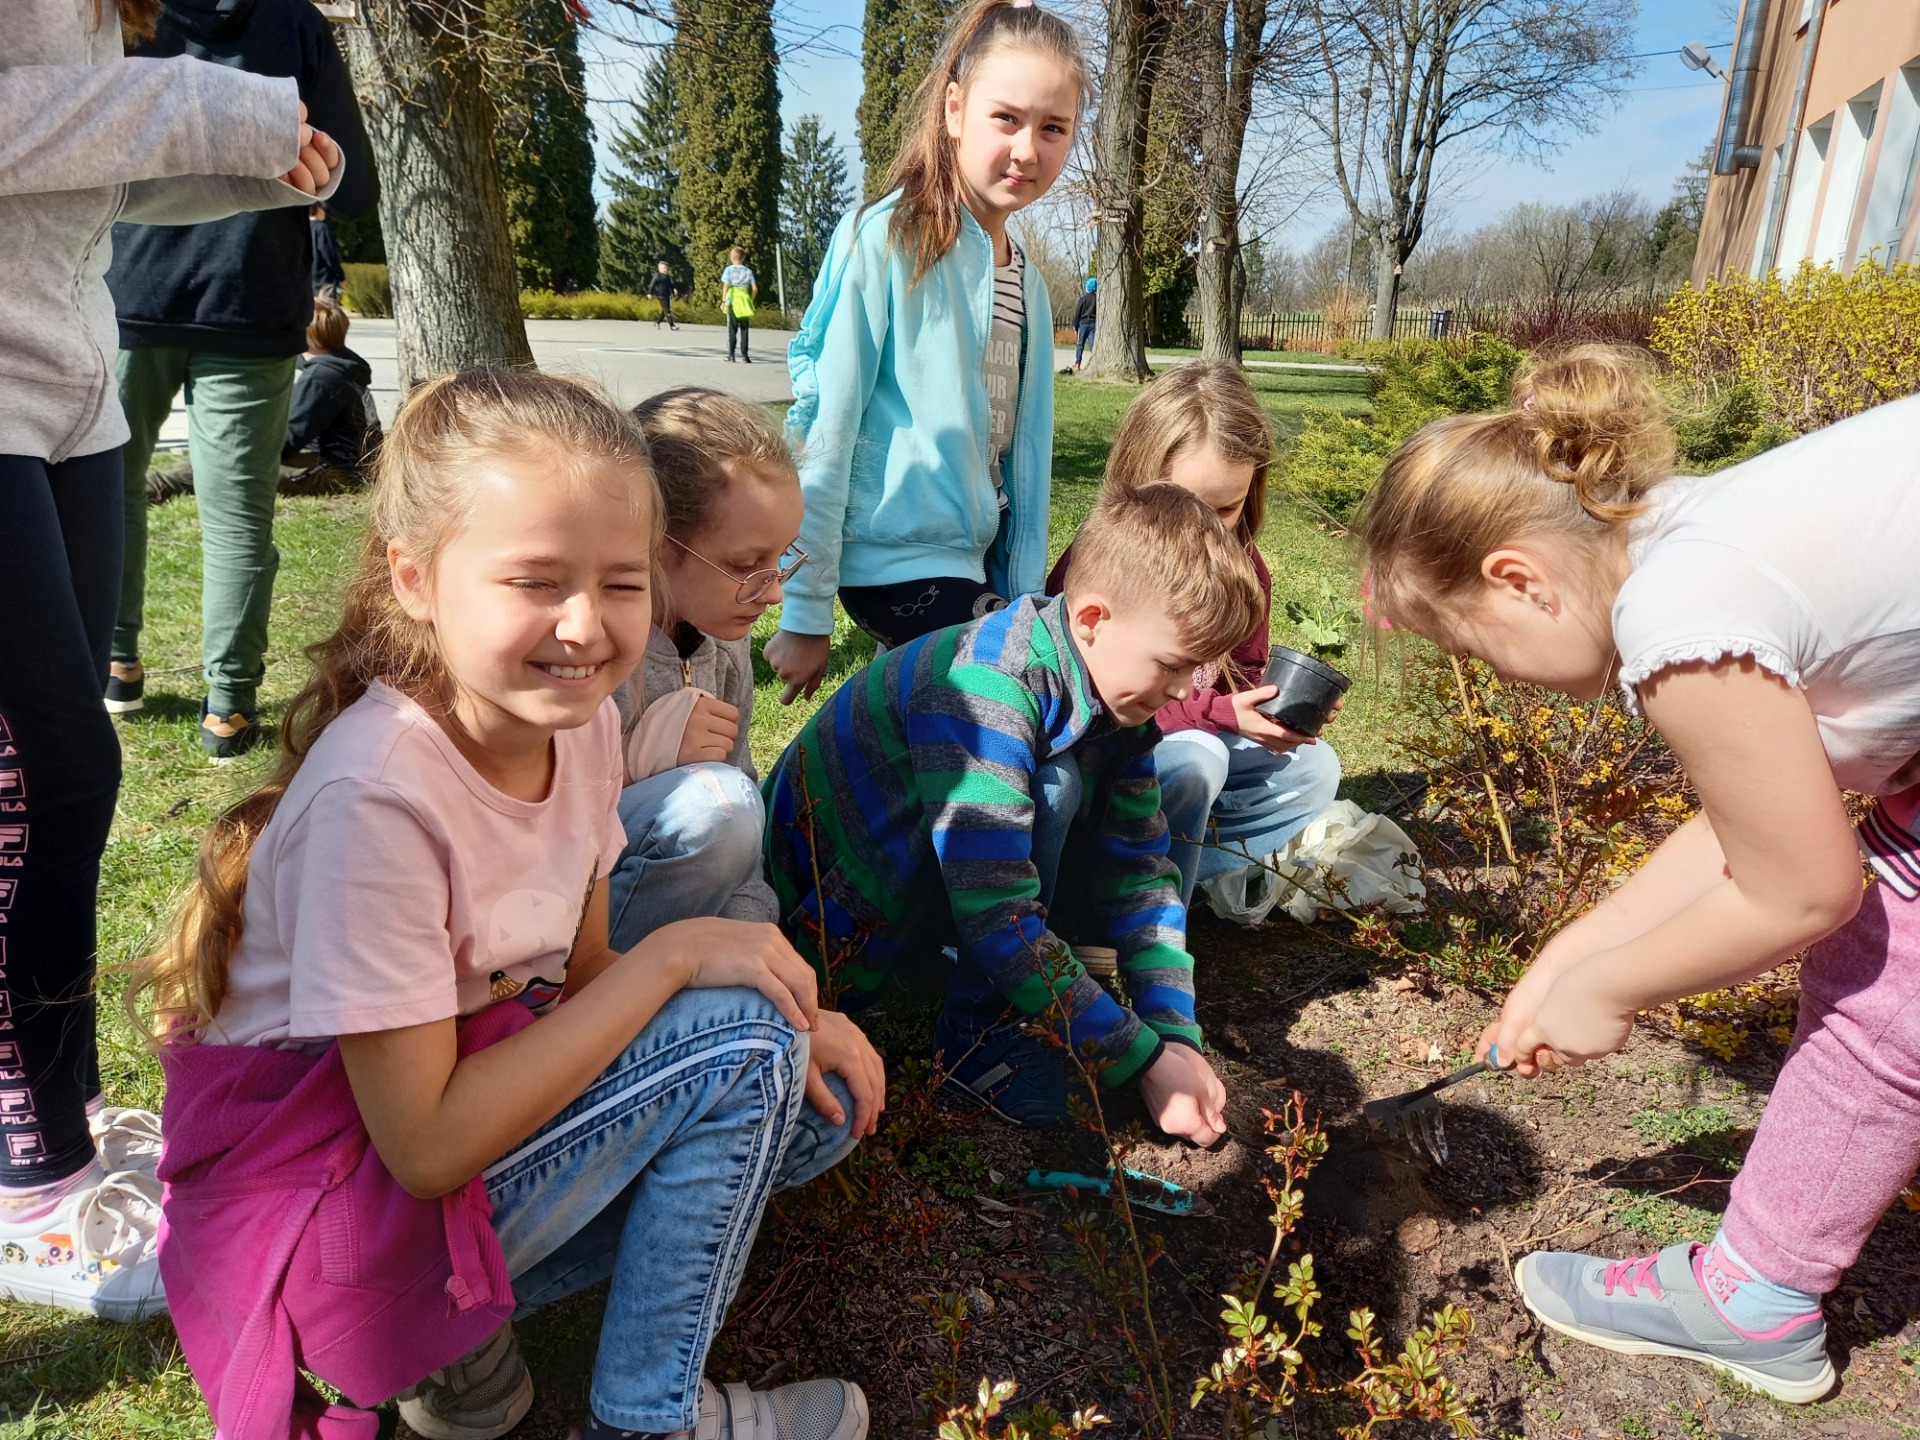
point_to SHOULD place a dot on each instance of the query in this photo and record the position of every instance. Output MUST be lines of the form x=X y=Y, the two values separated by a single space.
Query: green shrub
x=618 y=305
x=1335 y=459
x=367 y=291
x=1729 y=430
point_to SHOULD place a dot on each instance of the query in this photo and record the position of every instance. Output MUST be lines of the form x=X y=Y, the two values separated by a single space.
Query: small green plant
x=974 y=1420
x=1681 y=1126
x=1665 y=1221
x=1635 y=1428
x=1326 y=623
x=1410 y=1386
x=949 y=1163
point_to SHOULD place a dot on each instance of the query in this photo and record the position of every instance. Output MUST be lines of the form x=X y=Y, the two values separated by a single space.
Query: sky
x=1664 y=120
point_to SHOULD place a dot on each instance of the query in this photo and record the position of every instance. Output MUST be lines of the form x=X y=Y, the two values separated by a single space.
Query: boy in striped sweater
x=990 y=787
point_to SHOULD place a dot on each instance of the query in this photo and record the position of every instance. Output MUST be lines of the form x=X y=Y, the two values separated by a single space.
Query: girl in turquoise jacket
x=922 y=371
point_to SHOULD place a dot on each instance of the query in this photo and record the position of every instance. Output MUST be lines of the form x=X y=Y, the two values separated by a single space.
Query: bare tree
x=1433 y=77
x=418 y=72
x=1136 y=32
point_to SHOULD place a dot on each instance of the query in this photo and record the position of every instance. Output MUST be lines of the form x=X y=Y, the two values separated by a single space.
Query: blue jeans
x=1255 y=799
x=693 y=848
x=657 y=1175
x=1083 y=338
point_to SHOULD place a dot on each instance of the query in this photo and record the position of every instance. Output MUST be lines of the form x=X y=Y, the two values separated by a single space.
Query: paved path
x=633 y=359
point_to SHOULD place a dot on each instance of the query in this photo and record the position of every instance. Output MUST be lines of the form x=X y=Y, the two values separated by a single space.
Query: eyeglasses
x=753 y=586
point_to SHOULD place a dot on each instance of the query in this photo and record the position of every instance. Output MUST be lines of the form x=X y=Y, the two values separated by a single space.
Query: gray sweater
x=724 y=669
x=88 y=137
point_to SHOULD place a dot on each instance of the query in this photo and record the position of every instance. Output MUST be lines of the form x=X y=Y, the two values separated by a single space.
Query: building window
x=1852 y=130
x=1803 y=190
x=1890 y=190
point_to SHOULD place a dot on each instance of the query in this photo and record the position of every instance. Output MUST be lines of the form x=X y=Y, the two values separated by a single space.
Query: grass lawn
x=85 y=1380
x=1302 y=357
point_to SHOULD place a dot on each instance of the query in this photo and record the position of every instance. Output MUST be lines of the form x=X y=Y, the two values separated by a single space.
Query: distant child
x=922 y=372
x=738 y=291
x=662 y=288
x=1085 y=314
x=333 y=414
x=990 y=787
x=1766 y=621
x=385 y=1132
x=1234 y=785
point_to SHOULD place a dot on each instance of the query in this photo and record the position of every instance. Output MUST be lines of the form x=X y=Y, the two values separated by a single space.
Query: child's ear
x=409 y=584
x=1084 y=615
x=956 y=106
x=1516 y=576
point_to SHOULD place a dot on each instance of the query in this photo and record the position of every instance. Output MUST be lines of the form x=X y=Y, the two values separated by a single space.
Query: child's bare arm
x=1751 y=746
x=438 y=1120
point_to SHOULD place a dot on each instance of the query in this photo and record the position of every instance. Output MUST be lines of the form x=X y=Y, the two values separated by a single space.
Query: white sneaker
x=127 y=1139
x=94 y=1254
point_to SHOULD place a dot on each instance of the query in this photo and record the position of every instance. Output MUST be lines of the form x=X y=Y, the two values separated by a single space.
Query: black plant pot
x=1309 y=689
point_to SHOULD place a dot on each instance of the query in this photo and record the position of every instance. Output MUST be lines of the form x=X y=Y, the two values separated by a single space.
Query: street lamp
x=1696 y=56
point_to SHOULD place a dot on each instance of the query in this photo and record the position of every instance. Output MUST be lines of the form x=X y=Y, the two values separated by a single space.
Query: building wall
x=1853 y=188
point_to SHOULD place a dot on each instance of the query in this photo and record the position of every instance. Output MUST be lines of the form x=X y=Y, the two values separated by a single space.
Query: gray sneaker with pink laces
x=1657 y=1305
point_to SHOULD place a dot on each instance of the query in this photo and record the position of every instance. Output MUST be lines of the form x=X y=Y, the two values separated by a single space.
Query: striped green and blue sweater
x=913 y=786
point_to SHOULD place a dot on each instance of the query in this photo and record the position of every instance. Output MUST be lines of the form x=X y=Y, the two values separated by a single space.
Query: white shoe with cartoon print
x=94 y=1253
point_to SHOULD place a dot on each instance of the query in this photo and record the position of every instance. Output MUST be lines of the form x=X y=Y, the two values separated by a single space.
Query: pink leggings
x=1841 y=1135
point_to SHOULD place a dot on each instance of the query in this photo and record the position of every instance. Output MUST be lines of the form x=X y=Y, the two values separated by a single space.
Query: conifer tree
x=900 y=41
x=545 y=145
x=814 y=194
x=643 y=220
x=726 y=83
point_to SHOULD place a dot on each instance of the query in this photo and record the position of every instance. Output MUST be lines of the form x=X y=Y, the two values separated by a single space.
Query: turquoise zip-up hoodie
x=889 y=423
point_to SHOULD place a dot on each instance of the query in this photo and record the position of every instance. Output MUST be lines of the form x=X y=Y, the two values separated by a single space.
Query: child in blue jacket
x=923 y=393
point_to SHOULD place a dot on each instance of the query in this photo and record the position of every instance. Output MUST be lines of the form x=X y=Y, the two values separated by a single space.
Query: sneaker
x=746 y=359
x=126 y=687
x=1656 y=1305
x=127 y=1139
x=809 y=1410
x=228 y=737
x=481 y=1396
x=94 y=1254
x=1019 y=1077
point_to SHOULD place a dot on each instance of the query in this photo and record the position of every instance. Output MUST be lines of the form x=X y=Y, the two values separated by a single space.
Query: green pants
x=236 y=425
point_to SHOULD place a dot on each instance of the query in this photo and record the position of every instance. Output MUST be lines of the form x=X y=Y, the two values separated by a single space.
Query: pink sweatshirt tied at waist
x=285 y=1243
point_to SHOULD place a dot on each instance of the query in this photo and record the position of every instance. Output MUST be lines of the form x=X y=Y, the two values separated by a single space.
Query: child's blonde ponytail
x=1586 y=442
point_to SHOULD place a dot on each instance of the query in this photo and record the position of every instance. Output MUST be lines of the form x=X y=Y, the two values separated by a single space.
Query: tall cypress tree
x=643 y=221
x=726 y=81
x=814 y=194
x=544 y=141
x=897 y=47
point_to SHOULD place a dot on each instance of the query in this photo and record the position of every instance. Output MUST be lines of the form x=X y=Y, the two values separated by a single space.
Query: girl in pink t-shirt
x=1766 y=620
x=436 y=839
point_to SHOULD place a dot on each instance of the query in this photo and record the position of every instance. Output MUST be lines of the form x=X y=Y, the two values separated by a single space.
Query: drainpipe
x=1730 y=155
x=1776 y=199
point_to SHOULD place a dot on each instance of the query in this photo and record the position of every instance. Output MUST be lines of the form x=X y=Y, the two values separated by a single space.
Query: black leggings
x=895 y=614
x=60 y=532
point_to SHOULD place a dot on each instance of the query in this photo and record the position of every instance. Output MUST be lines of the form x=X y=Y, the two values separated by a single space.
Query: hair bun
x=1596 y=421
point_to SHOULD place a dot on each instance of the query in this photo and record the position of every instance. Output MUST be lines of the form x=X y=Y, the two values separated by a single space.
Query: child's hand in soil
x=1184 y=1096
x=713 y=727
x=840 y=1047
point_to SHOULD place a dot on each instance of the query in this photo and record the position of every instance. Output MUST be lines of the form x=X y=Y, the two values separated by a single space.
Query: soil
x=1618 y=1157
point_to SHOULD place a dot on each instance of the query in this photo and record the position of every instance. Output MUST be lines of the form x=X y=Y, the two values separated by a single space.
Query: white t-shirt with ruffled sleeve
x=1807 y=558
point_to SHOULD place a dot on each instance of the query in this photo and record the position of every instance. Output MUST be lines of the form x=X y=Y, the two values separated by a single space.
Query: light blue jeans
x=693 y=848
x=657 y=1175
x=1255 y=799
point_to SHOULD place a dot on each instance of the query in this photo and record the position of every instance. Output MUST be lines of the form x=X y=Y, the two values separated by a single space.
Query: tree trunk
x=456 y=302
x=1135 y=29
x=1226 y=100
x=1386 y=289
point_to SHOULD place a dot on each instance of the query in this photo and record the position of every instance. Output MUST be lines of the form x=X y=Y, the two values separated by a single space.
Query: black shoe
x=228 y=737
x=746 y=359
x=126 y=693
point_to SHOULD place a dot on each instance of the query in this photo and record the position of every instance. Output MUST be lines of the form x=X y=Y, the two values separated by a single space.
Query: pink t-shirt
x=394 y=886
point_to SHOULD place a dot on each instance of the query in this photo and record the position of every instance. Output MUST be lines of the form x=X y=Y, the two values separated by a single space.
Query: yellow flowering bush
x=1814 y=347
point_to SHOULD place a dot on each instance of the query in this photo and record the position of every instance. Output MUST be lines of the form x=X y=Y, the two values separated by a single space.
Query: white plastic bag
x=1344 y=859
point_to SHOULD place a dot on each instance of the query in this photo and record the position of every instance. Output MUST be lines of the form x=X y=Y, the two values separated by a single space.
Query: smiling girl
x=922 y=372
x=384 y=1125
